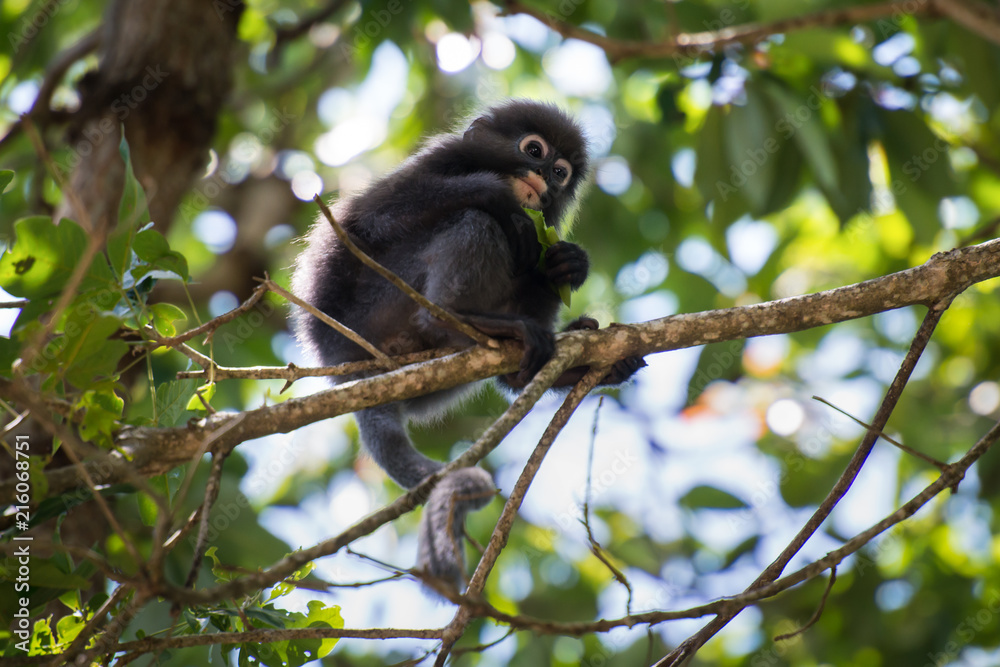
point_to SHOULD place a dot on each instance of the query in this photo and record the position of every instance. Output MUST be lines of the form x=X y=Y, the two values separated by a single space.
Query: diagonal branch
x=506 y=521
x=437 y=311
x=947 y=480
x=691 y=645
x=976 y=17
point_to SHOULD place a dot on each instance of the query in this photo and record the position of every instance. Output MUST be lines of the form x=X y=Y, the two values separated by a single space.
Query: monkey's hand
x=620 y=371
x=566 y=264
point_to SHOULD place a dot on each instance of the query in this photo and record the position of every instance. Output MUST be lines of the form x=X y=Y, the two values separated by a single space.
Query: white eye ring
x=532 y=144
x=567 y=171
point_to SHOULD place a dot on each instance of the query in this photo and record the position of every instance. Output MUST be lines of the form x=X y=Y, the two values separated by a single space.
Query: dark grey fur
x=448 y=223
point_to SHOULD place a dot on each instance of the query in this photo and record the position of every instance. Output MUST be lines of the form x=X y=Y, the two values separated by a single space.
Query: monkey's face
x=545 y=175
x=537 y=148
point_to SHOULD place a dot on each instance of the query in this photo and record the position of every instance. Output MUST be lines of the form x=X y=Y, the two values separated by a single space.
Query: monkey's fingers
x=583 y=323
x=566 y=264
x=623 y=369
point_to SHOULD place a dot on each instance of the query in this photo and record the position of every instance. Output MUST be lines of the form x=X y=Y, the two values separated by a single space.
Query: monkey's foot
x=621 y=370
x=624 y=369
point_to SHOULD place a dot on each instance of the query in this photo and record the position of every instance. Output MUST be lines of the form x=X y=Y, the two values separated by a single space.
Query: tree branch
x=498 y=540
x=152 y=451
x=696 y=43
x=691 y=645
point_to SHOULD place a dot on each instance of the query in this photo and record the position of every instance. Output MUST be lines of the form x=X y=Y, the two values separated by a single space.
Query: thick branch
x=157 y=450
x=486 y=443
x=976 y=17
x=693 y=44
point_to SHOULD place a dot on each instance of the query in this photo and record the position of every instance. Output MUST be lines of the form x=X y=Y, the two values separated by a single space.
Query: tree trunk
x=165 y=71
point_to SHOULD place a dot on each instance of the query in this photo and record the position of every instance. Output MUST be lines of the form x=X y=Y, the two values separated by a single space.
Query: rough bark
x=165 y=72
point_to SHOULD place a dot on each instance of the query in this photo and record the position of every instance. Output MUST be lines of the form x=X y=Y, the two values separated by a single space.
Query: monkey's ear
x=479 y=127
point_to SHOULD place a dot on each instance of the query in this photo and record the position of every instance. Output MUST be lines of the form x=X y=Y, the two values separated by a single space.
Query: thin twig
x=194 y=355
x=595 y=546
x=480 y=608
x=98 y=621
x=909 y=450
x=109 y=638
x=57 y=68
x=94 y=246
x=566 y=356
x=154 y=645
x=284 y=35
x=211 y=495
x=291 y=372
x=816 y=614
x=976 y=17
x=215 y=323
x=342 y=329
x=434 y=309
x=72 y=445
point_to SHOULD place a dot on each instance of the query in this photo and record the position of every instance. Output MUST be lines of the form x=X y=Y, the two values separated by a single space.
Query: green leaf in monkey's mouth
x=547 y=237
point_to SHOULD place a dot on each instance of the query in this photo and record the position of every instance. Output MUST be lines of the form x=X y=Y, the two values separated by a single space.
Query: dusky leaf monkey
x=450 y=221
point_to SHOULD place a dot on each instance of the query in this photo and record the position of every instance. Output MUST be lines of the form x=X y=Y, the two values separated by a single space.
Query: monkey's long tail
x=440 y=552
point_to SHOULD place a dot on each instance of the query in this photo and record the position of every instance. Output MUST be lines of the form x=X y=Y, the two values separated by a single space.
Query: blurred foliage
x=815 y=159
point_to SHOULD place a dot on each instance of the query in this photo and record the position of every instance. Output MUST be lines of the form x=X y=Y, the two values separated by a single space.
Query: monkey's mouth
x=529 y=190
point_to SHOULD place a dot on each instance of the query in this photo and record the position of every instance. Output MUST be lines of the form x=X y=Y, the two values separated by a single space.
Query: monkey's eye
x=562 y=171
x=534 y=146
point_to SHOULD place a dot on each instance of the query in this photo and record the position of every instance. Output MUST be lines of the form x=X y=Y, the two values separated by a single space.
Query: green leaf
x=133 y=209
x=102 y=408
x=750 y=144
x=320 y=616
x=68 y=627
x=45 y=574
x=148 y=511
x=120 y=254
x=710 y=169
x=709 y=497
x=206 y=392
x=283 y=588
x=299 y=651
x=164 y=315
x=171 y=403
x=919 y=170
x=10 y=350
x=152 y=248
x=547 y=237
x=44 y=256
x=88 y=353
x=38 y=478
x=6 y=176
x=801 y=121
